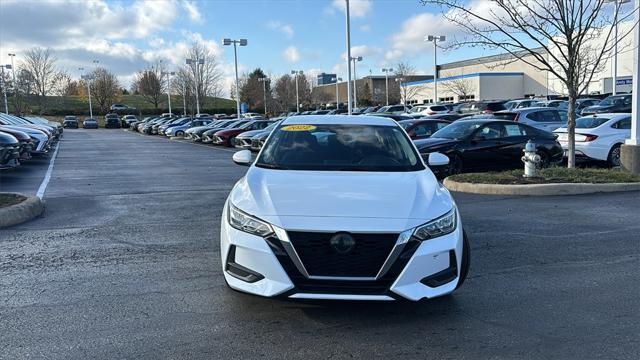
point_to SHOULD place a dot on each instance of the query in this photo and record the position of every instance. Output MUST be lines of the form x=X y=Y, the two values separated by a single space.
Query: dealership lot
x=125 y=263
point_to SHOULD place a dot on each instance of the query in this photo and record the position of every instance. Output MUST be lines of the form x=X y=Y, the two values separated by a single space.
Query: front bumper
x=419 y=271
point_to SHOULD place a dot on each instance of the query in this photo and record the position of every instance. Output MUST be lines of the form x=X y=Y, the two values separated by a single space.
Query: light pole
x=403 y=93
x=614 y=69
x=297 y=72
x=348 y=58
x=337 y=80
x=4 y=88
x=87 y=79
x=435 y=40
x=355 y=79
x=241 y=42
x=13 y=70
x=264 y=81
x=168 y=74
x=386 y=72
x=197 y=61
x=184 y=97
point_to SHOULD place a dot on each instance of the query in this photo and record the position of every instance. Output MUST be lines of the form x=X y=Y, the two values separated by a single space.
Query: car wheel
x=544 y=159
x=614 y=156
x=231 y=142
x=455 y=164
x=180 y=133
x=465 y=262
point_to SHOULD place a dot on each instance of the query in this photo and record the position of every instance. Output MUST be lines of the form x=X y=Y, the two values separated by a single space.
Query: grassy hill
x=76 y=105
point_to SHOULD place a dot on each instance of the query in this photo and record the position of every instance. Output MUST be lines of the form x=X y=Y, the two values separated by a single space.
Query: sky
x=283 y=35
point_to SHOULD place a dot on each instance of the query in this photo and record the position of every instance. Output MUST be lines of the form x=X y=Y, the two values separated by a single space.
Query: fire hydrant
x=530 y=159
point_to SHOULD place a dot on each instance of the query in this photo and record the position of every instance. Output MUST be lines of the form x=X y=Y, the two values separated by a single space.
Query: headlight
x=247 y=223
x=443 y=225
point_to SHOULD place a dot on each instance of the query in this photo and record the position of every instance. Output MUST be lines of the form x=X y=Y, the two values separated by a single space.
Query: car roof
x=339 y=119
x=609 y=116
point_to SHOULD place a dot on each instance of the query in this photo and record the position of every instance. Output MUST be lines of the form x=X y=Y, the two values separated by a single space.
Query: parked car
x=584 y=103
x=599 y=137
x=558 y=104
x=120 y=107
x=9 y=151
x=245 y=139
x=352 y=230
x=447 y=117
x=25 y=141
x=393 y=116
x=59 y=129
x=126 y=120
x=543 y=118
x=90 y=123
x=227 y=137
x=340 y=111
x=481 y=107
x=489 y=144
x=112 y=121
x=421 y=110
x=207 y=136
x=195 y=134
x=393 y=109
x=42 y=134
x=520 y=104
x=161 y=129
x=422 y=129
x=70 y=122
x=180 y=129
x=611 y=104
x=370 y=109
x=320 y=112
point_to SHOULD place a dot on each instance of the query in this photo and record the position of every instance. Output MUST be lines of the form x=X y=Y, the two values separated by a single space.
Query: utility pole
x=296 y=72
x=355 y=79
x=4 y=90
x=348 y=59
x=264 y=80
x=168 y=74
x=386 y=72
x=337 y=92
x=435 y=40
x=241 y=42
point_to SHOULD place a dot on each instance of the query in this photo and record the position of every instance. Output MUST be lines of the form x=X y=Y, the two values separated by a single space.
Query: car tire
x=613 y=159
x=179 y=133
x=465 y=262
x=455 y=164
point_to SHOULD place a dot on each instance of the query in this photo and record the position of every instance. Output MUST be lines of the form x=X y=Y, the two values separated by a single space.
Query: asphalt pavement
x=125 y=264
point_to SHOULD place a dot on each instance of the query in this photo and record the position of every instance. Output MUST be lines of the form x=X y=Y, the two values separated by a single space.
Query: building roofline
x=464 y=76
x=489 y=58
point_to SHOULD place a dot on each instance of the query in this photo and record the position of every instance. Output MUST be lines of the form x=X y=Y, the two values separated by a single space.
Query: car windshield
x=339 y=148
x=612 y=100
x=383 y=109
x=589 y=122
x=457 y=130
x=272 y=126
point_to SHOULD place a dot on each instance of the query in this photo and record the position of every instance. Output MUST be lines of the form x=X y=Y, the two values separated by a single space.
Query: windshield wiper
x=271 y=166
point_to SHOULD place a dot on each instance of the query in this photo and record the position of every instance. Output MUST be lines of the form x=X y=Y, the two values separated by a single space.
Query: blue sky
x=308 y=35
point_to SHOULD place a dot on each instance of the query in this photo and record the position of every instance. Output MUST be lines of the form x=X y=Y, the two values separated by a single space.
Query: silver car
x=543 y=118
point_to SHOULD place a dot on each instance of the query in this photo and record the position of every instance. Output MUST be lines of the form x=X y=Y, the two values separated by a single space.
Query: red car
x=422 y=129
x=226 y=137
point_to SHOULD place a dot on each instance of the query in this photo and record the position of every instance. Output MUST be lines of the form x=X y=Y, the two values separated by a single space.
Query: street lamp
x=403 y=92
x=296 y=73
x=348 y=30
x=87 y=78
x=264 y=81
x=435 y=40
x=337 y=80
x=168 y=74
x=4 y=88
x=355 y=79
x=614 y=69
x=13 y=69
x=197 y=61
x=386 y=72
x=241 y=42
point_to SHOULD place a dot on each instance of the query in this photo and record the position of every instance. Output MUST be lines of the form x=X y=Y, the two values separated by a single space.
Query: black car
x=422 y=128
x=112 y=121
x=489 y=144
x=9 y=151
x=126 y=120
x=70 y=122
x=90 y=123
x=481 y=107
x=612 y=104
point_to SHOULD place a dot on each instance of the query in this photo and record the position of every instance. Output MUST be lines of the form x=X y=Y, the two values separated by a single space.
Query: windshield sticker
x=298 y=128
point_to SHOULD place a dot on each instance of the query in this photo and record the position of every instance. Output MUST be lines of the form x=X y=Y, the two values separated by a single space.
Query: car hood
x=598 y=108
x=27 y=129
x=262 y=135
x=198 y=128
x=20 y=135
x=249 y=134
x=305 y=199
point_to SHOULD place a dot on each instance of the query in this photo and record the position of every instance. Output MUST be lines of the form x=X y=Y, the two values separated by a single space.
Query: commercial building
x=324 y=79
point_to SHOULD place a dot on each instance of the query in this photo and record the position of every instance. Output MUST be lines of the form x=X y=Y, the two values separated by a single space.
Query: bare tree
x=150 y=84
x=41 y=65
x=105 y=88
x=285 y=93
x=460 y=86
x=576 y=37
x=207 y=76
x=397 y=90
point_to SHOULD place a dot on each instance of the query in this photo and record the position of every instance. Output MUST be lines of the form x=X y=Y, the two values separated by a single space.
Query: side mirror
x=243 y=157
x=438 y=159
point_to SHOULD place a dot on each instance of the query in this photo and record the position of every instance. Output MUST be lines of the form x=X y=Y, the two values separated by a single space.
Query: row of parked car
x=23 y=137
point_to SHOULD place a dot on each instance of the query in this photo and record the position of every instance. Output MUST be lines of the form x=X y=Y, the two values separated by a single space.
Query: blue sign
x=243 y=108
x=624 y=82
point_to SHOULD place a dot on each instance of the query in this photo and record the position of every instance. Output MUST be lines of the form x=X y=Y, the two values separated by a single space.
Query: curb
x=16 y=214
x=539 y=189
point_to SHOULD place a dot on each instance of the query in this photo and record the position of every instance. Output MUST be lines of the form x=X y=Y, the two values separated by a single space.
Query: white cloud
x=357 y=8
x=291 y=54
x=410 y=39
x=192 y=11
x=286 y=29
x=365 y=28
x=365 y=51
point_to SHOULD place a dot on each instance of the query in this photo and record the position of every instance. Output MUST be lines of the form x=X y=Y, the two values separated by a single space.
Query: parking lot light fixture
x=355 y=79
x=386 y=72
x=264 y=81
x=197 y=62
x=296 y=73
x=435 y=40
x=348 y=31
x=337 y=80
x=4 y=89
x=614 y=67
x=13 y=71
x=87 y=78
x=241 y=42
x=169 y=74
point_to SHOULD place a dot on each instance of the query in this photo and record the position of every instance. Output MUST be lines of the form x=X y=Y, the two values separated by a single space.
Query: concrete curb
x=29 y=209
x=539 y=189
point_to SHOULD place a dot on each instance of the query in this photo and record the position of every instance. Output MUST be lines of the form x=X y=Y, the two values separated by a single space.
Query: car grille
x=246 y=142
x=320 y=259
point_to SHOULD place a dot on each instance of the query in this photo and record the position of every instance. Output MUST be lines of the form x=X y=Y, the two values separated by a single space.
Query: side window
x=563 y=116
x=514 y=130
x=422 y=130
x=627 y=100
x=492 y=131
x=440 y=125
x=623 y=124
x=544 y=116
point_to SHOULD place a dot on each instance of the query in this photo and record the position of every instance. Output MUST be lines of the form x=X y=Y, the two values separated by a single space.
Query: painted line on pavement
x=47 y=177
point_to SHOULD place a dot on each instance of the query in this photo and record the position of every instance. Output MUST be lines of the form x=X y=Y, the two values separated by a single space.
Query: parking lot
x=125 y=264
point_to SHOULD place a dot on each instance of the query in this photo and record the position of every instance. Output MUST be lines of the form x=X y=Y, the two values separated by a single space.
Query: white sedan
x=339 y=207
x=599 y=137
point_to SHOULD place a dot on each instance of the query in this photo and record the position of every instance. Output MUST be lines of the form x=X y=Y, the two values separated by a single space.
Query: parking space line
x=47 y=177
x=183 y=142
